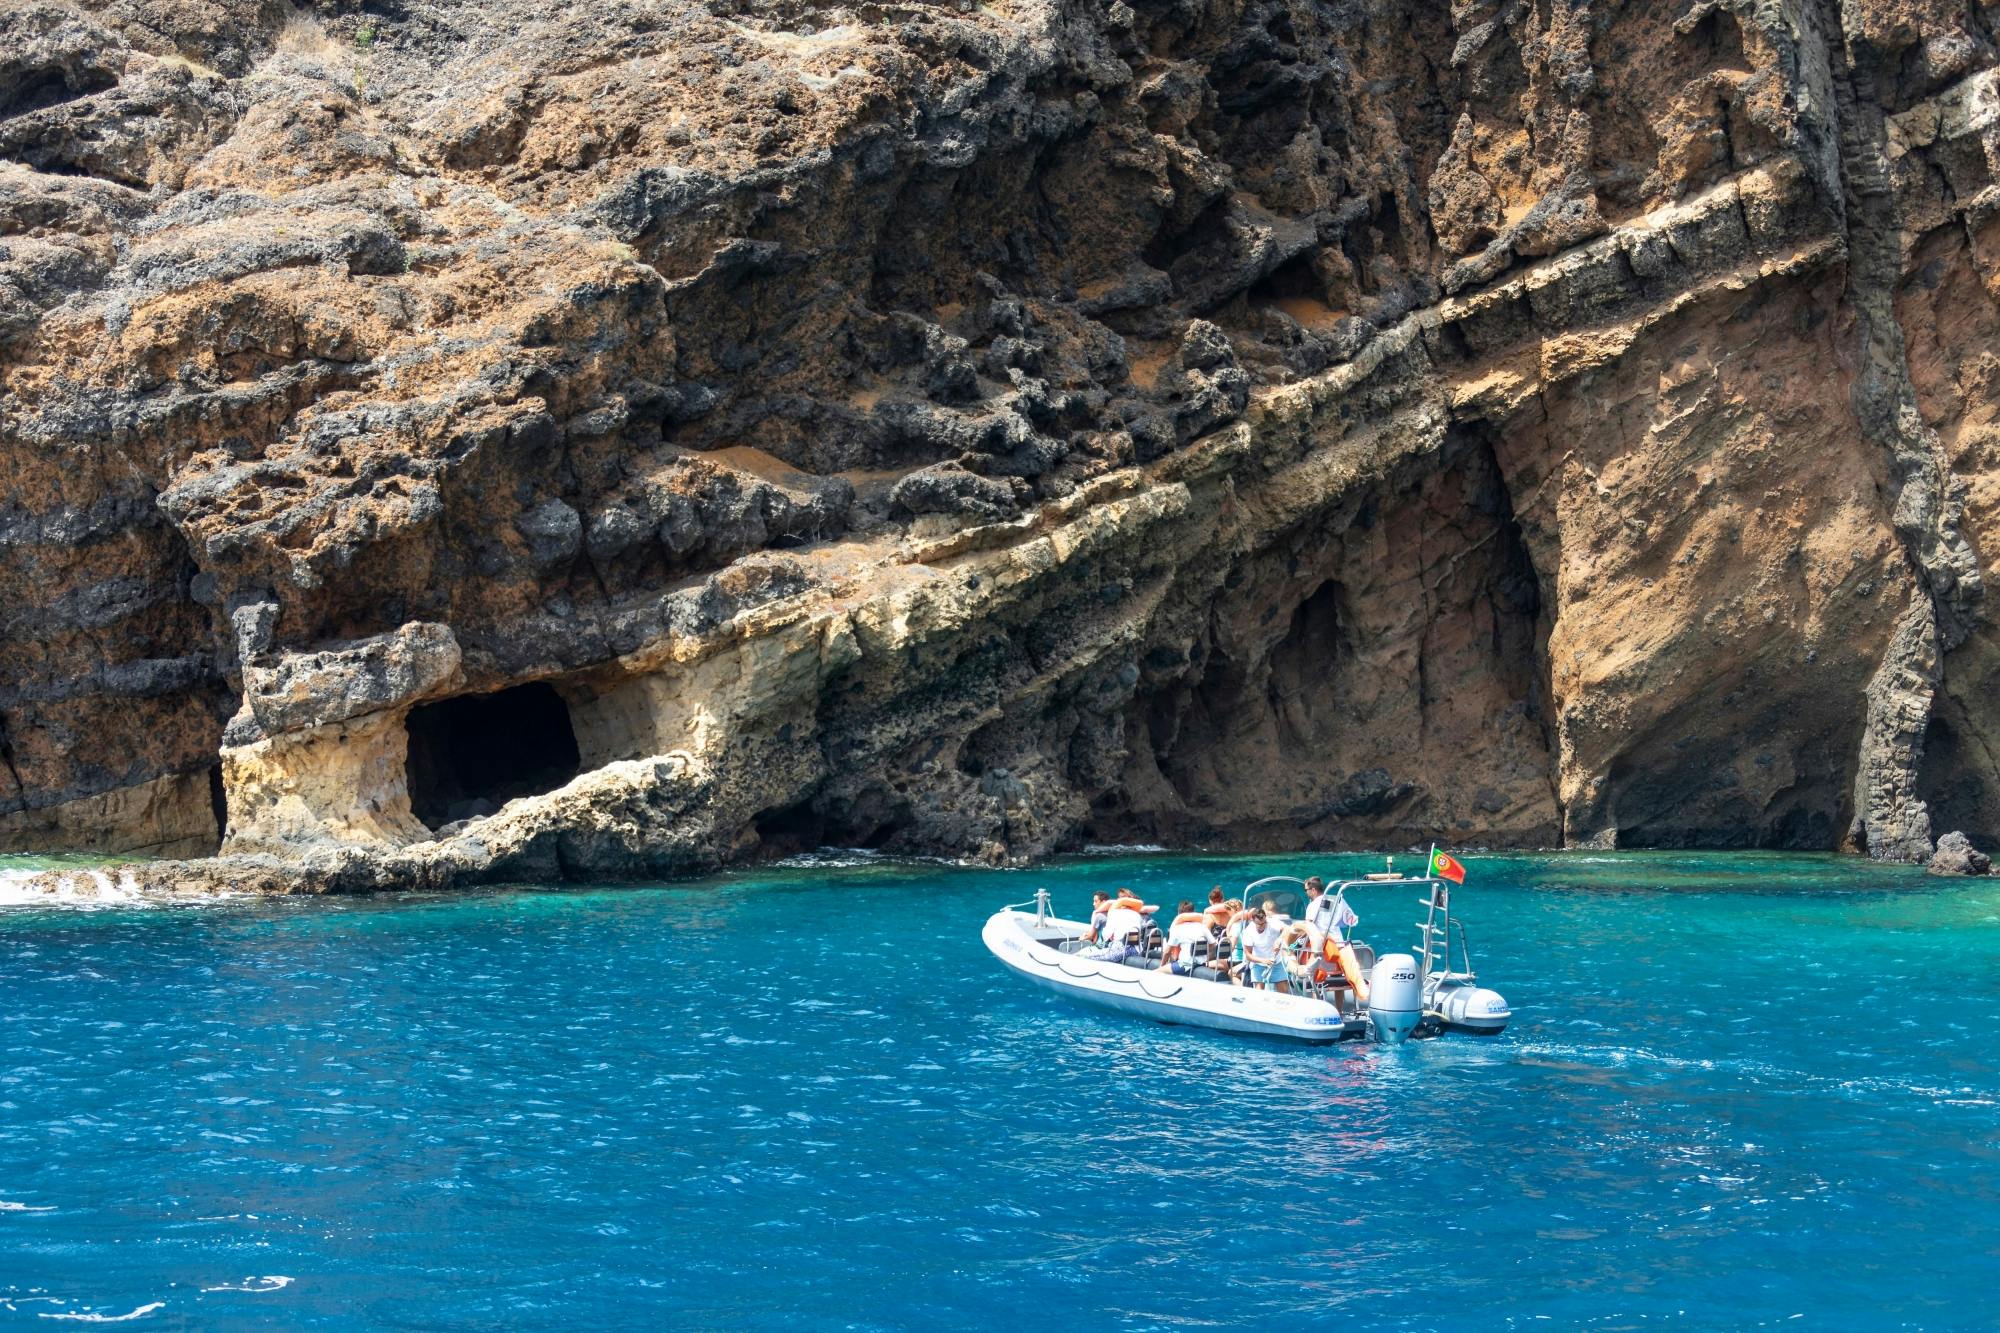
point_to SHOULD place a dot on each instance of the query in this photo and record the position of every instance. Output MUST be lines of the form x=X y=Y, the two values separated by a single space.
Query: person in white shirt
x=1260 y=952
x=1190 y=928
x=1122 y=920
x=1319 y=911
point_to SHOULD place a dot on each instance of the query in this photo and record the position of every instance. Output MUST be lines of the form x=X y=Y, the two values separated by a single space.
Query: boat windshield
x=1281 y=895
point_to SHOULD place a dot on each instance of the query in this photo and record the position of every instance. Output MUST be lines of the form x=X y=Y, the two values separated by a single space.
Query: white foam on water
x=835 y=858
x=1120 y=848
x=94 y=1318
x=832 y=858
x=94 y=890
x=9 y=1206
x=71 y=888
x=276 y=1282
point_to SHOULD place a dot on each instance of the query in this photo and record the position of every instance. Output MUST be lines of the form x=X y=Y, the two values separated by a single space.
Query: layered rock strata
x=453 y=442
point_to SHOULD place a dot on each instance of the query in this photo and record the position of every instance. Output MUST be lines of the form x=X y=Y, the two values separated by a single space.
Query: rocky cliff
x=458 y=440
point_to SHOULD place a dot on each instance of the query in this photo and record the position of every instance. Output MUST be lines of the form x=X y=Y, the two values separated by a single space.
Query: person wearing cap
x=1260 y=951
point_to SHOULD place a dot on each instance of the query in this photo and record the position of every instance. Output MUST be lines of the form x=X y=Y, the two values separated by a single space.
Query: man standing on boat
x=1319 y=910
x=1328 y=917
x=1260 y=951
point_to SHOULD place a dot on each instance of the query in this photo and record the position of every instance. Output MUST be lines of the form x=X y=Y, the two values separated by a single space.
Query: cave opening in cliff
x=218 y=802
x=472 y=754
x=790 y=829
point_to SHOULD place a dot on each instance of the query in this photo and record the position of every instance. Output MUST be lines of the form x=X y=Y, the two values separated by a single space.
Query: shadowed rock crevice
x=1890 y=820
x=1376 y=671
x=470 y=755
x=218 y=803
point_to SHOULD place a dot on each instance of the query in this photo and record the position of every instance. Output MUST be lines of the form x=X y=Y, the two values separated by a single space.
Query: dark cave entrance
x=471 y=755
x=218 y=803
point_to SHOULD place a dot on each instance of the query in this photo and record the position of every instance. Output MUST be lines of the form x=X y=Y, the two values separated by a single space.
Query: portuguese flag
x=1446 y=866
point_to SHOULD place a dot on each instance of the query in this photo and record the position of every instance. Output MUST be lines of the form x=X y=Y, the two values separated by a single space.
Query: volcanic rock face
x=461 y=440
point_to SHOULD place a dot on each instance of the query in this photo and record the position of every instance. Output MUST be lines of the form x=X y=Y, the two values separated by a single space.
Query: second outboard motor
x=1395 y=997
x=1472 y=1009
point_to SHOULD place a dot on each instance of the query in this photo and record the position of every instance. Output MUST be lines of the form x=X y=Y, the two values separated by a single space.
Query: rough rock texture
x=660 y=434
x=1955 y=855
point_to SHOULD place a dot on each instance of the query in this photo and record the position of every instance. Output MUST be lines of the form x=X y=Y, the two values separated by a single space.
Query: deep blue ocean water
x=1739 y=1092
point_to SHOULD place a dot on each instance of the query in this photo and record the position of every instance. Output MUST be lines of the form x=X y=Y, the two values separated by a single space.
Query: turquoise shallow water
x=1738 y=1092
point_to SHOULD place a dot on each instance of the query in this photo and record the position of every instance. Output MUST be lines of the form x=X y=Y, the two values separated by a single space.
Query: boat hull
x=1011 y=936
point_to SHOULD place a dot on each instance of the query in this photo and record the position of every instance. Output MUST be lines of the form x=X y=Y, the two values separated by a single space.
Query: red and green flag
x=1446 y=866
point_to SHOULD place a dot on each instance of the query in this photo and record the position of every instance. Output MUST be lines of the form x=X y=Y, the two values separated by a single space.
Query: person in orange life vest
x=1127 y=898
x=1123 y=932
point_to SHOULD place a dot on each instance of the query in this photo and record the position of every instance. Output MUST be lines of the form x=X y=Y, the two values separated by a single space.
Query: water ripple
x=810 y=1095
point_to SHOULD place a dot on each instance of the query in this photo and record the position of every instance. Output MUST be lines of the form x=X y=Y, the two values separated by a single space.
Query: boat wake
x=255 y=1285
x=1765 y=1074
x=92 y=1317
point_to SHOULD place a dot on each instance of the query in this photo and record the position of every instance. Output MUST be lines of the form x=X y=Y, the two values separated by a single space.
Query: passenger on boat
x=1128 y=898
x=1100 y=903
x=1149 y=930
x=1189 y=929
x=1125 y=931
x=1118 y=951
x=1226 y=928
x=1319 y=908
x=1260 y=952
x=1299 y=950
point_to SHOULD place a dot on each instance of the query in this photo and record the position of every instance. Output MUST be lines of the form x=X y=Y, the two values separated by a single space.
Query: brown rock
x=981 y=432
x=1956 y=855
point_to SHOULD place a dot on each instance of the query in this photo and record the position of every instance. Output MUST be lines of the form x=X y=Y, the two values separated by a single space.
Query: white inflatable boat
x=1352 y=994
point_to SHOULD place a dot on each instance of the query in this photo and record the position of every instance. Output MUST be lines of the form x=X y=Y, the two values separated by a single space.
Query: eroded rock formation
x=456 y=441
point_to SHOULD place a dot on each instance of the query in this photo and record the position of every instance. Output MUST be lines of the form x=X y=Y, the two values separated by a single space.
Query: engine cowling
x=1472 y=1009
x=1395 y=997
